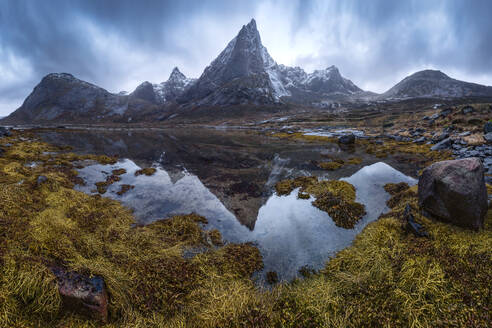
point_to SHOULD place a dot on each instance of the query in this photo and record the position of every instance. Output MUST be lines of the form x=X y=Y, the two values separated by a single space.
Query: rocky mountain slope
x=61 y=95
x=435 y=84
x=164 y=92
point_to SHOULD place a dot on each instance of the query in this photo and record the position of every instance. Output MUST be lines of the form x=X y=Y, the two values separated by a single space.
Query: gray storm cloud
x=118 y=44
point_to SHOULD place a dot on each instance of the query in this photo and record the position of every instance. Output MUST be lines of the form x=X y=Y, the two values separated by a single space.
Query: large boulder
x=347 y=139
x=454 y=191
x=82 y=294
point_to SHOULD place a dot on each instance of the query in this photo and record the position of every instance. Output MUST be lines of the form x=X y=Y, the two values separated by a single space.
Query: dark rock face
x=82 y=295
x=347 y=139
x=454 y=191
x=243 y=58
x=146 y=92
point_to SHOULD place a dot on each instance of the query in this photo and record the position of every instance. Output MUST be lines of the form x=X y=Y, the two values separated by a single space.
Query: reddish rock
x=82 y=294
x=455 y=192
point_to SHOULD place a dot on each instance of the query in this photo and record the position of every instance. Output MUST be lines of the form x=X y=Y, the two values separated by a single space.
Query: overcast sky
x=117 y=44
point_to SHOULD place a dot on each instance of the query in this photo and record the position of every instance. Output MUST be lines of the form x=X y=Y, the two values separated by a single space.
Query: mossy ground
x=335 y=197
x=387 y=278
x=337 y=163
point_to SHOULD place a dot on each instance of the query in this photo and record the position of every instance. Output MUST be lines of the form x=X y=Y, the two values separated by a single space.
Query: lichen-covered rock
x=81 y=294
x=454 y=191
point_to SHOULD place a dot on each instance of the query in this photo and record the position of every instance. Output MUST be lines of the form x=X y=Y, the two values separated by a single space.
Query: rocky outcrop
x=454 y=191
x=81 y=294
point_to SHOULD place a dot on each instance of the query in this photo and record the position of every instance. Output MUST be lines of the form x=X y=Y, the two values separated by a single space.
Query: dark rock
x=82 y=294
x=388 y=125
x=446 y=112
x=465 y=134
x=426 y=118
x=379 y=142
x=488 y=137
x=41 y=179
x=440 y=137
x=467 y=109
x=454 y=191
x=449 y=129
x=1 y=151
x=4 y=132
x=487 y=127
x=347 y=139
x=445 y=144
x=435 y=116
x=420 y=140
x=412 y=226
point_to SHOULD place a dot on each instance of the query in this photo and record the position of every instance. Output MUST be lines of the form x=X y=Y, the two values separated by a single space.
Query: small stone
x=465 y=134
x=412 y=226
x=487 y=127
x=435 y=116
x=488 y=137
x=420 y=140
x=467 y=109
x=40 y=180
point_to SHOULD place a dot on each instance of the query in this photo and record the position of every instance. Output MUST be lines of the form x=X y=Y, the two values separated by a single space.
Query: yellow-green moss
x=119 y=172
x=330 y=166
x=147 y=171
x=335 y=197
x=149 y=280
x=386 y=278
x=124 y=189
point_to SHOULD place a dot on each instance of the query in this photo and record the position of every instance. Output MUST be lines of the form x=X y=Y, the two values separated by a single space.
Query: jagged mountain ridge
x=435 y=84
x=166 y=91
x=243 y=73
x=246 y=65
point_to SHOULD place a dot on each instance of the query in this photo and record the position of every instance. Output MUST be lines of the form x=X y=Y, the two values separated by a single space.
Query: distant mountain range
x=244 y=73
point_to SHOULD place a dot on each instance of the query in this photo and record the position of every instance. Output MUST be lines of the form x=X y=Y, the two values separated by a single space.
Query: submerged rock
x=454 y=191
x=81 y=294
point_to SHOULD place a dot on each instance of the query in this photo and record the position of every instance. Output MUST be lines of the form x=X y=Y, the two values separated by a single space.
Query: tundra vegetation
x=388 y=277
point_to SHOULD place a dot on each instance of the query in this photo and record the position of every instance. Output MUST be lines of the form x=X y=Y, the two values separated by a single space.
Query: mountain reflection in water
x=229 y=179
